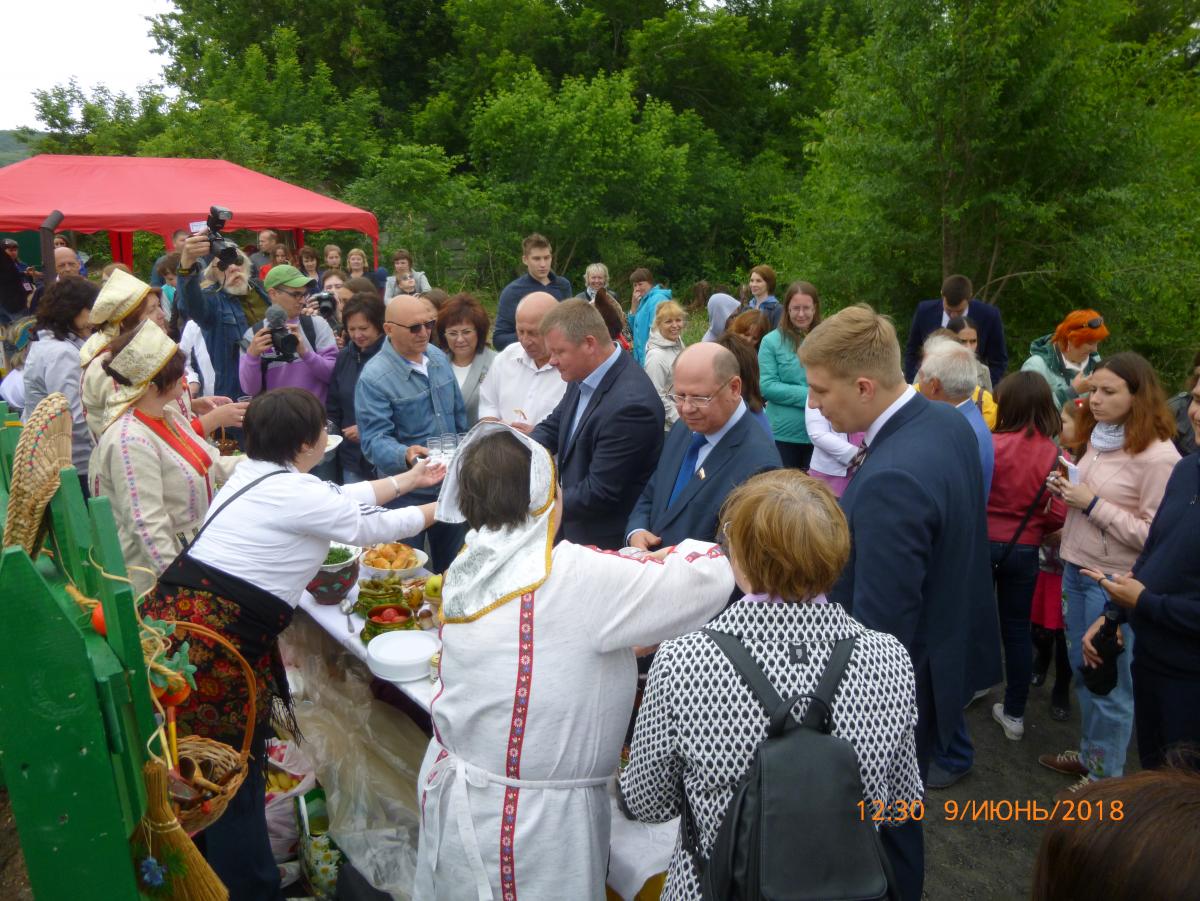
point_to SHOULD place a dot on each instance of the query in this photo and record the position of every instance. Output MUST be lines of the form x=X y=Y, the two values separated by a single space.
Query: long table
x=639 y=851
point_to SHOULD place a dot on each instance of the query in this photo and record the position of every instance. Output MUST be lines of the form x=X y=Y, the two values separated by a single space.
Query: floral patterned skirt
x=218 y=707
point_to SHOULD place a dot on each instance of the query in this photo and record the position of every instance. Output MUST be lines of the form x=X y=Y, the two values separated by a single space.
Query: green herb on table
x=337 y=555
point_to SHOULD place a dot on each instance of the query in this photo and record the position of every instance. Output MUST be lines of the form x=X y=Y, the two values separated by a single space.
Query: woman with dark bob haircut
x=362 y=320
x=787 y=542
x=462 y=331
x=1020 y=514
x=537 y=678
x=63 y=325
x=266 y=532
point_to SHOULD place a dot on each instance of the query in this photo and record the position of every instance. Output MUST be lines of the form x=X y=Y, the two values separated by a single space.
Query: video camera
x=221 y=247
x=283 y=342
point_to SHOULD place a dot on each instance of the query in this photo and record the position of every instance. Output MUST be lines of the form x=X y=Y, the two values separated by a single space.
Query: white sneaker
x=1014 y=726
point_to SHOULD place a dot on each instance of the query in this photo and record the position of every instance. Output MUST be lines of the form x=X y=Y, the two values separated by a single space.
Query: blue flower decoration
x=154 y=874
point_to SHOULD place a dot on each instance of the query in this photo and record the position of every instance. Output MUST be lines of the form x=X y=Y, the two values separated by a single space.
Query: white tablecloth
x=639 y=850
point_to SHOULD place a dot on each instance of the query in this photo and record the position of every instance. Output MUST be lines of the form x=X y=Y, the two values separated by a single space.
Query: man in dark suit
x=919 y=566
x=714 y=447
x=956 y=301
x=606 y=432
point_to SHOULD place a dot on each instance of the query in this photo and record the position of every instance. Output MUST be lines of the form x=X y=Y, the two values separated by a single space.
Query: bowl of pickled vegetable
x=337 y=575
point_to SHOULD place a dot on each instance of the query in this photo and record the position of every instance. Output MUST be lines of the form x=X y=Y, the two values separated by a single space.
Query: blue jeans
x=958 y=755
x=1107 y=719
x=1015 y=580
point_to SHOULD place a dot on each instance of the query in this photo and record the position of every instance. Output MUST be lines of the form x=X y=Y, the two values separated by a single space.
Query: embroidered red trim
x=516 y=739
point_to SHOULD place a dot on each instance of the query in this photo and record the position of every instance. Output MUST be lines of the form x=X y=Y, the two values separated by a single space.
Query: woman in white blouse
x=268 y=530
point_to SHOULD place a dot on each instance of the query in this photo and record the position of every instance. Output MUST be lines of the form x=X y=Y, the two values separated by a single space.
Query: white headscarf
x=498 y=565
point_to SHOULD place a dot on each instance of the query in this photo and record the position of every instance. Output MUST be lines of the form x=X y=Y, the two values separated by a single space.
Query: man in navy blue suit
x=714 y=447
x=606 y=432
x=919 y=566
x=956 y=301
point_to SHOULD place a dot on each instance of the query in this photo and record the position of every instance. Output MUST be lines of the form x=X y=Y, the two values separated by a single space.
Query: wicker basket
x=43 y=450
x=225 y=766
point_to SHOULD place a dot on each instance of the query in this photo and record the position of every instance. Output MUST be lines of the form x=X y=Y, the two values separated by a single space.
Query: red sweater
x=1022 y=464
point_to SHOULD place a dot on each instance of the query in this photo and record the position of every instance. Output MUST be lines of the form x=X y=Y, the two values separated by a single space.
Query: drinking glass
x=435 y=449
x=449 y=444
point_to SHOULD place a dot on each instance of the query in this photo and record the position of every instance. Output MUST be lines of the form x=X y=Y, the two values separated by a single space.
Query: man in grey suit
x=711 y=449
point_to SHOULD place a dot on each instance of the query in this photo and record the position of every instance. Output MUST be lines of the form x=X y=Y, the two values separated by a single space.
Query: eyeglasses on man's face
x=294 y=295
x=698 y=400
x=416 y=328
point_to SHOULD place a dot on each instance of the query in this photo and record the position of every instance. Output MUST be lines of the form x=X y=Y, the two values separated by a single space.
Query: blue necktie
x=688 y=468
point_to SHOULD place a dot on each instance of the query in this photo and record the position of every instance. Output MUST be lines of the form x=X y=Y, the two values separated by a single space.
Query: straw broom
x=168 y=864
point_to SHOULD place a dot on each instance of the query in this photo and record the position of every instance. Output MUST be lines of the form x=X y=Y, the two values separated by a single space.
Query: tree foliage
x=1044 y=147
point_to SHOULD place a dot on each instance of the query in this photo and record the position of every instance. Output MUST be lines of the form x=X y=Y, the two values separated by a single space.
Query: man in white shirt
x=522 y=388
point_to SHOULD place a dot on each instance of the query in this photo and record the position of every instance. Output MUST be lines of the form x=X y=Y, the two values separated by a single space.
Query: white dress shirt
x=276 y=534
x=517 y=389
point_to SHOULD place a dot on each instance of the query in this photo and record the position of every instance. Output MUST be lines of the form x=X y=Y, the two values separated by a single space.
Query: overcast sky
x=96 y=43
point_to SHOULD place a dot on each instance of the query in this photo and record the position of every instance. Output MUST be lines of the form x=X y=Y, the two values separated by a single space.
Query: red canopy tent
x=124 y=194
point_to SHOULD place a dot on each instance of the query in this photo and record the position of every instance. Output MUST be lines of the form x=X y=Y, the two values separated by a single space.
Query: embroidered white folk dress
x=533 y=702
x=158 y=497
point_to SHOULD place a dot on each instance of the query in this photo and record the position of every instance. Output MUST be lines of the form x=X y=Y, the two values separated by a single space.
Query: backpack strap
x=747 y=668
x=828 y=686
x=310 y=332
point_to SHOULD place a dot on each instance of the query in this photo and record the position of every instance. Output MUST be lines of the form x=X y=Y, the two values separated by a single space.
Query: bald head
x=707 y=370
x=66 y=262
x=404 y=312
x=707 y=358
x=530 y=312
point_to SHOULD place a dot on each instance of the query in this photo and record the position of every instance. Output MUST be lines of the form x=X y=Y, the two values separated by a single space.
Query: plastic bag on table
x=366 y=755
x=286 y=757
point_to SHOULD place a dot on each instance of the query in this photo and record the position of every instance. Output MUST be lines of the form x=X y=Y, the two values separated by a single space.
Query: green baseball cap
x=284 y=276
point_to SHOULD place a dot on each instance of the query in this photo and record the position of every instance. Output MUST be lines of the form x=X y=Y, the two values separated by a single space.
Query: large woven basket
x=227 y=767
x=43 y=449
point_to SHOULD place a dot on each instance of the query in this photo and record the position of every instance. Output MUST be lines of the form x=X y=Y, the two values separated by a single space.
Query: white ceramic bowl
x=373 y=572
x=331 y=447
x=402 y=656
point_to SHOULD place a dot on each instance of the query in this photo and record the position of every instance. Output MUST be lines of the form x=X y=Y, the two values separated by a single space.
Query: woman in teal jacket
x=782 y=378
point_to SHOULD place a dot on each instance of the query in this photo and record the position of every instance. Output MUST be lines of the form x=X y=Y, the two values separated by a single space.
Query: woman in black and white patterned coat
x=699 y=723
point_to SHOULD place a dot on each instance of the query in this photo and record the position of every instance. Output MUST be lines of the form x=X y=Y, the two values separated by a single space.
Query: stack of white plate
x=402 y=656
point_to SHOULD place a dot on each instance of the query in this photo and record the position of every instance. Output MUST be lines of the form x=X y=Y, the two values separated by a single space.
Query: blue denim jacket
x=397 y=406
x=222 y=322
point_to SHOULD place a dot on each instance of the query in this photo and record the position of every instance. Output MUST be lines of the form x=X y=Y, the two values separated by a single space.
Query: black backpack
x=794 y=828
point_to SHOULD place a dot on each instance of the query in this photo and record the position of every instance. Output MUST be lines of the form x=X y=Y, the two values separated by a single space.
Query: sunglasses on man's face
x=417 y=327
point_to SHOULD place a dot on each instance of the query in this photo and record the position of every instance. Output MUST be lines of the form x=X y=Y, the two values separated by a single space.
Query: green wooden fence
x=75 y=711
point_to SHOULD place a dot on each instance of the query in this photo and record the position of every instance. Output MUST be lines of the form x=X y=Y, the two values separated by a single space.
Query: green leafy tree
x=1008 y=141
x=603 y=178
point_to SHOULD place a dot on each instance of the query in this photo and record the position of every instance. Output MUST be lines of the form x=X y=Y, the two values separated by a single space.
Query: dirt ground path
x=989 y=859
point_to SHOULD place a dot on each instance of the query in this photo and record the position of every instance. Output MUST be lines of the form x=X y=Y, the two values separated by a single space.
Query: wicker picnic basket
x=223 y=769
x=43 y=449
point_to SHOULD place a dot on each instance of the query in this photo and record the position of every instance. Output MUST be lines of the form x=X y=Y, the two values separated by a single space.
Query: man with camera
x=222 y=309
x=288 y=350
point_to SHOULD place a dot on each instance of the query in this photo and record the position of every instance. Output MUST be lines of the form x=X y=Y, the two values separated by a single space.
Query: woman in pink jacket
x=1121 y=478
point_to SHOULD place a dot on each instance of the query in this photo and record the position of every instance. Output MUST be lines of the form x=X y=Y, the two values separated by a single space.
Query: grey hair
x=952 y=364
x=214 y=276
x=596 y=269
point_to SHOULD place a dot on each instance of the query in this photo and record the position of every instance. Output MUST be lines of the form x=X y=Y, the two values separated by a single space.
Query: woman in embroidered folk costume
x=122 y=305
x=158 y=474
x=537 y=679
x=267 y=532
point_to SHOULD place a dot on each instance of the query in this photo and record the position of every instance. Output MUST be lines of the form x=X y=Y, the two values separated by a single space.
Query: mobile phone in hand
x=1069 y=470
